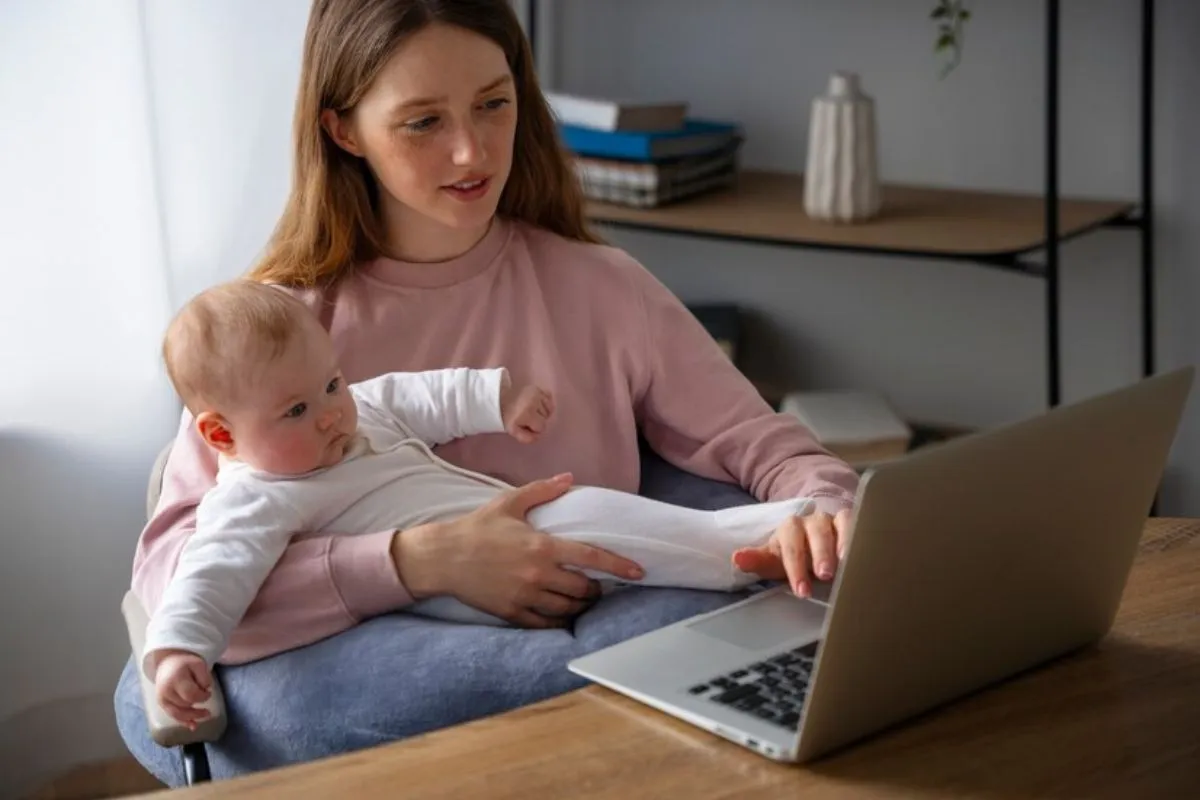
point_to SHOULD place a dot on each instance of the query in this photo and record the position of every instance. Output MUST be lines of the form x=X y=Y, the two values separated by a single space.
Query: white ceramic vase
x=841 y=181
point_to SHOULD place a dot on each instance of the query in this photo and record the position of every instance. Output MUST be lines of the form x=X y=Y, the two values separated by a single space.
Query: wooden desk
x=1121 y=720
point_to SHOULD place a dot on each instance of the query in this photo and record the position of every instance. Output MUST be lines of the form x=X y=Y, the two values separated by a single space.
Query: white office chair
x=164 y=730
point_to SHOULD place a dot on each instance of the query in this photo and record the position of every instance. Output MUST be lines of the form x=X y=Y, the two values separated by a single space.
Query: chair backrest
x=154 y=487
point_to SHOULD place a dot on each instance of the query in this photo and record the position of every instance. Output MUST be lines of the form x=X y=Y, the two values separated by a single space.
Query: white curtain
x=143 y=155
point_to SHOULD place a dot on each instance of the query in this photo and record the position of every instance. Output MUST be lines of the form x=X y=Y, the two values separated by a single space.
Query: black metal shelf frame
x=1141 y=219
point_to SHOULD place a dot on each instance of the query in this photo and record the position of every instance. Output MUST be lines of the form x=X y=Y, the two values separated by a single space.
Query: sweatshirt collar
x=439 y=274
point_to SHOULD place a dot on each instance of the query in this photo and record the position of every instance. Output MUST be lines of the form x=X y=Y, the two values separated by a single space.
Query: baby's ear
x=214 y=430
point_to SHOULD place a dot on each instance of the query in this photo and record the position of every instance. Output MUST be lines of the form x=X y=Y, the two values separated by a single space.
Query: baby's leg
x=676 y=546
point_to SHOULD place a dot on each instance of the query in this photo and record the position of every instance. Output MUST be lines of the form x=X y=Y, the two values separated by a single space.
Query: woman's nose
x=468 y=146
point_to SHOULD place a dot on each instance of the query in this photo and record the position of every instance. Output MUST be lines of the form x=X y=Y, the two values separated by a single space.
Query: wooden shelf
x=768 y=207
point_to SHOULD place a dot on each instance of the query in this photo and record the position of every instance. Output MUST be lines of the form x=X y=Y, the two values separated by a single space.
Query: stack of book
x=644 y=154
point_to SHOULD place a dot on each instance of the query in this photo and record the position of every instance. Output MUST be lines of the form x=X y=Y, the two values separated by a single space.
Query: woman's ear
x=215 y=431
x=341 y=131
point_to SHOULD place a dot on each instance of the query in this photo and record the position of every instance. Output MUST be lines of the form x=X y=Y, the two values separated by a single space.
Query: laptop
x=968 y=563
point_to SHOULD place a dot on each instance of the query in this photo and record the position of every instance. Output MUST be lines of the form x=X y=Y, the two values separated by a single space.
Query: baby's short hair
x=220 y=332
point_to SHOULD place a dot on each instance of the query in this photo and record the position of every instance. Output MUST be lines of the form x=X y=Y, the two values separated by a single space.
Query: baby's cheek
x=292 y=454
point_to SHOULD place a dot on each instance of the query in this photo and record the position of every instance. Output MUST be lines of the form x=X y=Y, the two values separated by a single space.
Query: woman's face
x=437 y=129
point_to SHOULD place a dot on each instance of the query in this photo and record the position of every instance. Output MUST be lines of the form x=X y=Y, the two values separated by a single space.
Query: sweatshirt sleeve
x=699 y=412
x=439 y=405
x=320 y=586
x=241 y=533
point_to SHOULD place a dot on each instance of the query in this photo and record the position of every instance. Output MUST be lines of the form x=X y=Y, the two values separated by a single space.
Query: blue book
x=694 y=138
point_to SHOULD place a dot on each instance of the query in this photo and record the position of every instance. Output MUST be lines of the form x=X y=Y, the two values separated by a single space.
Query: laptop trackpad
x=769 y=623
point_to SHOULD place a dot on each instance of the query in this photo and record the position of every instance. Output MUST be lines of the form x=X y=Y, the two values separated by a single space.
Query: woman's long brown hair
x=330 y=221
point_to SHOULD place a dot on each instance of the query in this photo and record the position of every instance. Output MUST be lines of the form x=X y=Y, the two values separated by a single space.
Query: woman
x=433 y=222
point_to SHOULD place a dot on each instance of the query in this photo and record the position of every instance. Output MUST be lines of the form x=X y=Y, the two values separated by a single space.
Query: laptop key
x=699 y=689
x=749 y=703
x=737 y=693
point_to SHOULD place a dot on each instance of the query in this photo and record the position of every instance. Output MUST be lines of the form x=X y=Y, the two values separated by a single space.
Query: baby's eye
x=296 y=411
x=333 y=386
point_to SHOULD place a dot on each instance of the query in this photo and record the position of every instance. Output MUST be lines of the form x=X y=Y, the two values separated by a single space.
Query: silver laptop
x=968 y=562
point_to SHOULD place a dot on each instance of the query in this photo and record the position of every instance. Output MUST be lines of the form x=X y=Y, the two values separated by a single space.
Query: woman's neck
x=418 y=239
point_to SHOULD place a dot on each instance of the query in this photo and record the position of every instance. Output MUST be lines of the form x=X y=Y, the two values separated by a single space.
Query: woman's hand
x=799 y=548
x=492 y=560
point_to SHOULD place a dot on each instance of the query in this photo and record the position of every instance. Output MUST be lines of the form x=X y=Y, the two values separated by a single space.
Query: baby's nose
x=329 y=418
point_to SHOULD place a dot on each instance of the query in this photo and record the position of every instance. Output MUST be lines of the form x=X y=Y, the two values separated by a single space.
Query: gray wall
x=946 y=341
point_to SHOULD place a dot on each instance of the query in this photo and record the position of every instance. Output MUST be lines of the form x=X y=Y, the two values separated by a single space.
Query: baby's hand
x=526 y=411
x=183 y=682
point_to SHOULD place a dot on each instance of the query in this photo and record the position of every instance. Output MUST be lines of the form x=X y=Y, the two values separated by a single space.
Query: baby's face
x=299 y=415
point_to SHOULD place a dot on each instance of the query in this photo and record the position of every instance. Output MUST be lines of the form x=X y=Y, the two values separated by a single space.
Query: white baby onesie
x=389 y=478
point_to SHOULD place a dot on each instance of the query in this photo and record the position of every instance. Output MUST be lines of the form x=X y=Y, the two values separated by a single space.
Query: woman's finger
x=793 y=550
x=529 y=618
x=518 y=502
x=584 y=556
x=553 y=604
x=571 y=583
x=842 y=522
x=819 y=533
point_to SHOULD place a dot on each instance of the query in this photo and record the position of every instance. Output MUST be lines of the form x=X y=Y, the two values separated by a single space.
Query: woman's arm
x=701 y=414
x=321 y=585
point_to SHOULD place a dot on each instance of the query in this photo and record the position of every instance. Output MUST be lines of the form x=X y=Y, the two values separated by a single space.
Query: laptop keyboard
x=772 y=689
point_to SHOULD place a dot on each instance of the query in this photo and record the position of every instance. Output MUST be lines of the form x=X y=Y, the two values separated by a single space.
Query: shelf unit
x=1005 y=231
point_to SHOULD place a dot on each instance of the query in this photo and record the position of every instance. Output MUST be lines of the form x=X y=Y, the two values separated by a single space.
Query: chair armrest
x=163 y=729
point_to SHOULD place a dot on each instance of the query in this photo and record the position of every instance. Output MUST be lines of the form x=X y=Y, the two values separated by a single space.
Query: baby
x=301 y=450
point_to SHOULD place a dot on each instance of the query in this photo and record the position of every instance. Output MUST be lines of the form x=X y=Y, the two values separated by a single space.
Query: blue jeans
x=399 y=675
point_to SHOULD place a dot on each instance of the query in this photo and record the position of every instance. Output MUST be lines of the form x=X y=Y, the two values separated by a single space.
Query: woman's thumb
x=758 y=560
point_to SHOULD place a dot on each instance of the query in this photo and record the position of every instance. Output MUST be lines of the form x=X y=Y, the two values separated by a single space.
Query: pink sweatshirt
x=617 y=349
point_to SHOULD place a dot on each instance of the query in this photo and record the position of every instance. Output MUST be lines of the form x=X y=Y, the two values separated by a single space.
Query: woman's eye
x=496 y=103
x=421 y=125
x=296 y=410
x=333 y=386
